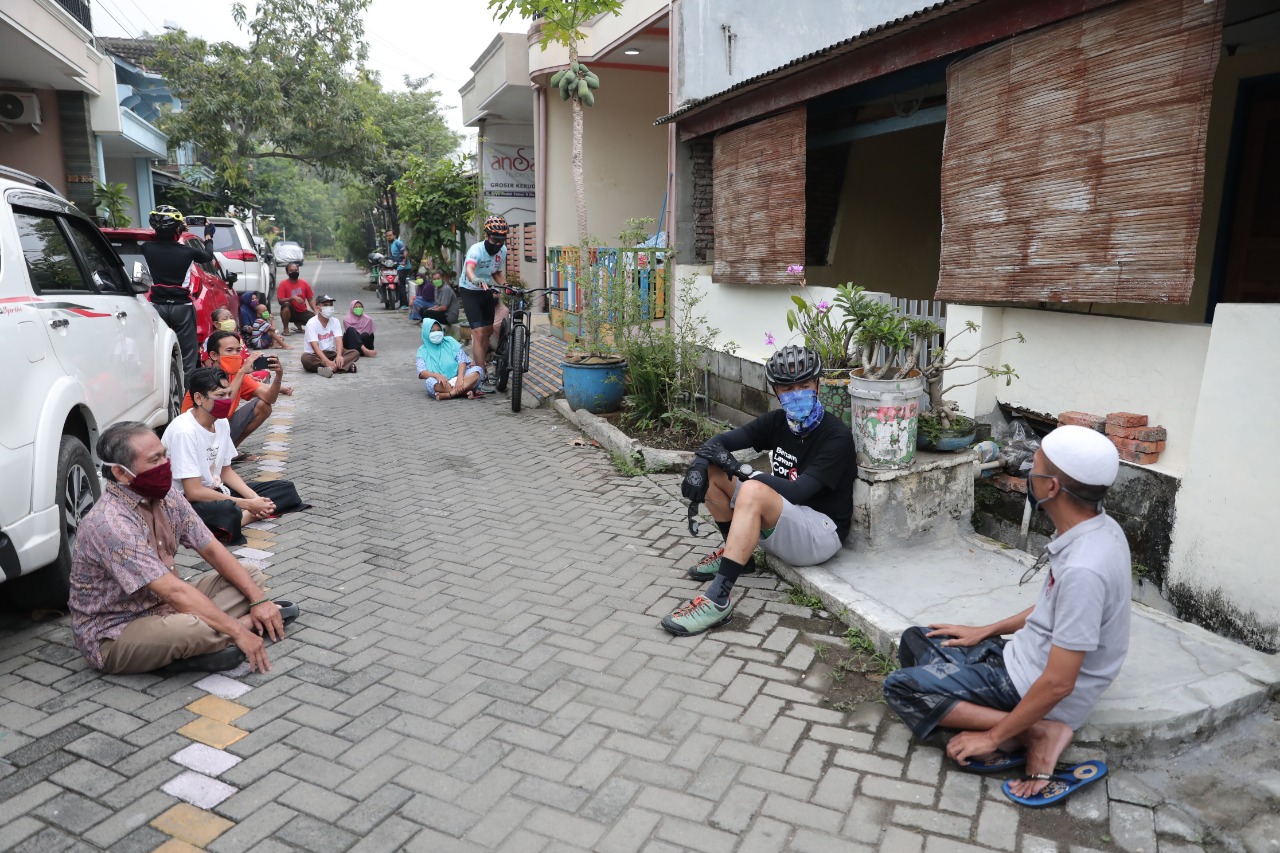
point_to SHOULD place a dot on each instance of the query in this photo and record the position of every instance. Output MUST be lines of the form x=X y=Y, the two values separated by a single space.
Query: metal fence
x=923 y=309
x=643 y=270
x=80 y=10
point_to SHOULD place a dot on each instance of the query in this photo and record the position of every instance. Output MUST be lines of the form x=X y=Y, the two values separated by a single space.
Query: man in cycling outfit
x=799 y=512
x=169 y=260
x=486 y=262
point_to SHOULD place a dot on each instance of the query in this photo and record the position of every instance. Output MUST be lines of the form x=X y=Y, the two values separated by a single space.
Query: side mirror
x=232 y=277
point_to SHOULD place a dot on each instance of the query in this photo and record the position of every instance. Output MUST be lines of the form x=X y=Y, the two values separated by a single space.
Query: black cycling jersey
x=168 y=261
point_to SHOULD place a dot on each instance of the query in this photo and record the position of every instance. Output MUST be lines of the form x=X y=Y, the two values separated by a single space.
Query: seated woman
x=357 y=330
x=249 y=303
x=444 y=365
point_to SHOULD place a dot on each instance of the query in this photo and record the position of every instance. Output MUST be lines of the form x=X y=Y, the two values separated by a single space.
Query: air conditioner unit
x=19 y=108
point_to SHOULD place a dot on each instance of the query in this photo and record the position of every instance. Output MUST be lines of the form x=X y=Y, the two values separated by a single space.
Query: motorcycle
x=389 y=284
x=375 y=260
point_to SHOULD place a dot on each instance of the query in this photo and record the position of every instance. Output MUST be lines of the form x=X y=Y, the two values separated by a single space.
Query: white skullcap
x=1085 y=455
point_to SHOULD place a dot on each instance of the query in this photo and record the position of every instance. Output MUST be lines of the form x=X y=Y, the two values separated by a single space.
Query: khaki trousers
x=155 y=641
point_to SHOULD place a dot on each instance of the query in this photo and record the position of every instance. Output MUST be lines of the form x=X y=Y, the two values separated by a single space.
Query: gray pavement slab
x=478 y=666
x=1178 y=680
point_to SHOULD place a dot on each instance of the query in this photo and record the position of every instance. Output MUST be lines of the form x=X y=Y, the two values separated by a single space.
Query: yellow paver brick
x=268 y=475
x=190 y=825
x=212 y=732
x=219 y=709
x=274 y=454
x=173 y=845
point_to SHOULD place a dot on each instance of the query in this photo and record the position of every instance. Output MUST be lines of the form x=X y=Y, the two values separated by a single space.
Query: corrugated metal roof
x=876 y=33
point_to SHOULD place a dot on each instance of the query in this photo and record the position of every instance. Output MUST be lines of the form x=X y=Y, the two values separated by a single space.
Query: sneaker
x=707 y=567
x=697 y=616
x=325 y=372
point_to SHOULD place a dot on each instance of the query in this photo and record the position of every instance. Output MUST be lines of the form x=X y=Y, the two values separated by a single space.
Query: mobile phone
x=262 y=362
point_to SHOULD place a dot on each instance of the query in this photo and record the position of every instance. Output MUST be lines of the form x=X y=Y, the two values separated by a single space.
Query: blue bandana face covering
x=803 y=409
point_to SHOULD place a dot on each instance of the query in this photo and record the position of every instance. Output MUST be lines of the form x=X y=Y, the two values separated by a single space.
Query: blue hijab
x=248 y=314
x=439 y=358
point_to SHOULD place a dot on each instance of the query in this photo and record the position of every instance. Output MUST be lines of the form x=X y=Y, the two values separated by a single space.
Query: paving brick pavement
x=479 y=666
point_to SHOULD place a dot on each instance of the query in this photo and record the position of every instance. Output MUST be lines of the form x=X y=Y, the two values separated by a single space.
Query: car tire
x=77 y=490
x=177 y=390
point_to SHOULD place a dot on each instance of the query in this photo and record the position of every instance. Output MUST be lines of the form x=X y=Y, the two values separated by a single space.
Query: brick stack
x=1136 y=441
x=1129 y=432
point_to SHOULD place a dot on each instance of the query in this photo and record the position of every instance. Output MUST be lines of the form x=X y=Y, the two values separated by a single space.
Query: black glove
x=694 y=487
x=719 y=457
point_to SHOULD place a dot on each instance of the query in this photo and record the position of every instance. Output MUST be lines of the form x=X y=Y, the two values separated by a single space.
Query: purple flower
x=768 y=339
x=823 y=307
x=795 y=269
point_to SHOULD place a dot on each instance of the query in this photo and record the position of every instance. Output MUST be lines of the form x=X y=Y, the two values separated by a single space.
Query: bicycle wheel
x=519 y=352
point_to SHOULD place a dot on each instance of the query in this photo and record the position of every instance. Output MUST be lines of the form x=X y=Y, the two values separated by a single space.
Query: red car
x=209 y=290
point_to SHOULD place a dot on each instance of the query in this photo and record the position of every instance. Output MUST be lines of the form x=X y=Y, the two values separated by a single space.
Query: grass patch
x=625 y=466
x=800 y=598
x=861 y=643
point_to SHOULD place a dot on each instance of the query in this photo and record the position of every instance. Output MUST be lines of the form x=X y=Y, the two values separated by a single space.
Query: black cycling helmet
x=495 y=226
x=791 y=365
x=166 y=219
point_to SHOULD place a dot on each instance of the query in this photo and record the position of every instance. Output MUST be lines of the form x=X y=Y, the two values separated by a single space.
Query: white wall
x=1227 y=512
x=1077 y=362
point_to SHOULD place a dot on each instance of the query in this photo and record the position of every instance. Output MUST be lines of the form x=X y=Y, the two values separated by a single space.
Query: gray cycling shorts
x=802 y=537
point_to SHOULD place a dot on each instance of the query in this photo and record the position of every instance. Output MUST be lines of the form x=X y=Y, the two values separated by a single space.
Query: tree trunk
x=579 y=185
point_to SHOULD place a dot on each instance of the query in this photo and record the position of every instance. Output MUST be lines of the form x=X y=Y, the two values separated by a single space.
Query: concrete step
x=1178 y=682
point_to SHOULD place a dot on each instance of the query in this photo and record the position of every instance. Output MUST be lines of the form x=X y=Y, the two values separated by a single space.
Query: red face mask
x=222 y=408
x=154 y=483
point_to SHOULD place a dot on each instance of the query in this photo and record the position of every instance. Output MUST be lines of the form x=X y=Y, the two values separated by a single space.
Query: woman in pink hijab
x=357 y=330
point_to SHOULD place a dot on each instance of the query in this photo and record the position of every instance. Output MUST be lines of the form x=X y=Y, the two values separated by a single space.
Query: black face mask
x=294 y=275
x=492 y=248
x=1037 y=504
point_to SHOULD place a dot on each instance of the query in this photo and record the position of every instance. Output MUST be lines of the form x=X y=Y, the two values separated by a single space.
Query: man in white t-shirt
x=200 y=452
x=1021 y=701
x=323 y=351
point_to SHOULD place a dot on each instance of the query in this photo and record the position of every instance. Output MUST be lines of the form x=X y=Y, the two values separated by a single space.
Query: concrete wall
x=122 y=170
x=768 y=35
x=1088 y=364
x=888 y=233
x=40 y=153
x=624 y=157
x=1226 y=510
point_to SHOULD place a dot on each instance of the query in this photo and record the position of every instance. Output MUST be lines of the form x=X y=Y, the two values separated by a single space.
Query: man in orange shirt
x=258 y=397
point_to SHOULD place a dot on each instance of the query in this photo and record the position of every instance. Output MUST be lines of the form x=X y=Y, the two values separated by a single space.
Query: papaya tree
x=562 y=22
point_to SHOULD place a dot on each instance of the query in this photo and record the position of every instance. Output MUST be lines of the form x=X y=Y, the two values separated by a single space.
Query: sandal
x=1062 y=784
x=475 y=395
x=995 y=762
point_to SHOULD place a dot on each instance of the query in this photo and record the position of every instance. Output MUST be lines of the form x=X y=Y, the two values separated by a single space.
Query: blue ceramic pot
x=598 y=388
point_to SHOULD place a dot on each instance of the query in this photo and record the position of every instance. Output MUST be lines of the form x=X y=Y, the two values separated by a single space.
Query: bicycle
x=512 y=356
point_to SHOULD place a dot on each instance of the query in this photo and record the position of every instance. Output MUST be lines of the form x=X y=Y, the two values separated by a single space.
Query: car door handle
x=120 y=315
x=59 y=324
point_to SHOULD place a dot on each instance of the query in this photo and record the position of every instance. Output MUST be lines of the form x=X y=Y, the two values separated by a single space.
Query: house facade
x=1098 y=175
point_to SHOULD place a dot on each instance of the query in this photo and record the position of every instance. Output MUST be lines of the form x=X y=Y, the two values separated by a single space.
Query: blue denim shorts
x=935 y=678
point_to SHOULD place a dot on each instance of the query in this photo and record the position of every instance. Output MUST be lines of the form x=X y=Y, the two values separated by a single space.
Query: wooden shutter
x=530 y=241
x=758 y=200
x=1074 y=158
x=514 y=243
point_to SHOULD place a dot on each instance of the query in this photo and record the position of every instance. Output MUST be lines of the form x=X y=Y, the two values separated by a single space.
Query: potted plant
x=594 y=372
x=943 y=427
x=886 y=388
x=823 y=326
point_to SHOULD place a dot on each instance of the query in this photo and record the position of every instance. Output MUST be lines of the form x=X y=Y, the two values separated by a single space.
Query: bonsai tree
x=826 y=327
x=943 y=414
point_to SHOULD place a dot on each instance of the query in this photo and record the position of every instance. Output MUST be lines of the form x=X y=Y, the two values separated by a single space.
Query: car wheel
x=176 y=389
x=78 y=490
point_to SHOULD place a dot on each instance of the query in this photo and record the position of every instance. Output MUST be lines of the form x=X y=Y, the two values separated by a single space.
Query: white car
x=81 y=348
x=237 y=252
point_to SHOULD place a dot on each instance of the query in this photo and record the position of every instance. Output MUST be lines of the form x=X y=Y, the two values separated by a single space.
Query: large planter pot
x=598 y=388
x=956 y=438
x=885 y=416
x=833 y=391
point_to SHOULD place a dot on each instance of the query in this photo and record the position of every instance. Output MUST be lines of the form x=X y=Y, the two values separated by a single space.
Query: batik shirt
x=116 y=557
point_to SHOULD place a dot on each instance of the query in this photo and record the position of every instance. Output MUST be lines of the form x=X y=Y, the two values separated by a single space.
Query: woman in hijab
x=249 y=309
x=357 y=331
x=445 y=366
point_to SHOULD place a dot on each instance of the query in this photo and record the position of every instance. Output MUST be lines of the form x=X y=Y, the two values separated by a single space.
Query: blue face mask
x=802 y=408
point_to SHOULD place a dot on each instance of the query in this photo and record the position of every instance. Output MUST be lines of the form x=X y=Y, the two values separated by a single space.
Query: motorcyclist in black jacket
x=168 y=259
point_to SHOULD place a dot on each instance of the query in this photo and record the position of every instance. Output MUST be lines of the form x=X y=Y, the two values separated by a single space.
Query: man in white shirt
x=322 y=343
x=200 y=451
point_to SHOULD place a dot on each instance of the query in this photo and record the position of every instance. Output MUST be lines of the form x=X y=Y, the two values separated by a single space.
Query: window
x=102 y=267
x=225 y=238
x=50 y=262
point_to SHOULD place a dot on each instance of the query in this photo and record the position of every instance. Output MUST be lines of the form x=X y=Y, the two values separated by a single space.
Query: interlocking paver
x=501 y=685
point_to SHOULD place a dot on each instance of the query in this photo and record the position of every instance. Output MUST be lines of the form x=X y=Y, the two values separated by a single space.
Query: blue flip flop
x=1061 y=785
x=995 y=762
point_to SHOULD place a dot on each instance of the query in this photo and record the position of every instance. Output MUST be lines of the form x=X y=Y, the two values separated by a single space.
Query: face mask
x=222 y=408
x=293 y=276
x=227 y=325
x=1037 y=504
x=154 y=483
x=435 y=336
x=326 y=312
x=492 y=248
x=358 y=311
x=265 y=316
x=802 y=408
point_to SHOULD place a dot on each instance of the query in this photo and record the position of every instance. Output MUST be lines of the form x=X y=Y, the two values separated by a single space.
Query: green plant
x=439 y=199
x=863 y=644
x=942 y=410
x=825 y=328
x=625 y=466
x=800 y=598
x=114 y=199
x=1140 y=572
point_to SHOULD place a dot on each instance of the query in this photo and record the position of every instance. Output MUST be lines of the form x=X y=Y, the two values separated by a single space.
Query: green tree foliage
x=114 y=199
x=305 y=204
x=438 y=200
x=292 y=93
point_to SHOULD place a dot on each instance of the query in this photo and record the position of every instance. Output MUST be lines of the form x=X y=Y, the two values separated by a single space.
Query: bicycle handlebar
x=513 y=288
